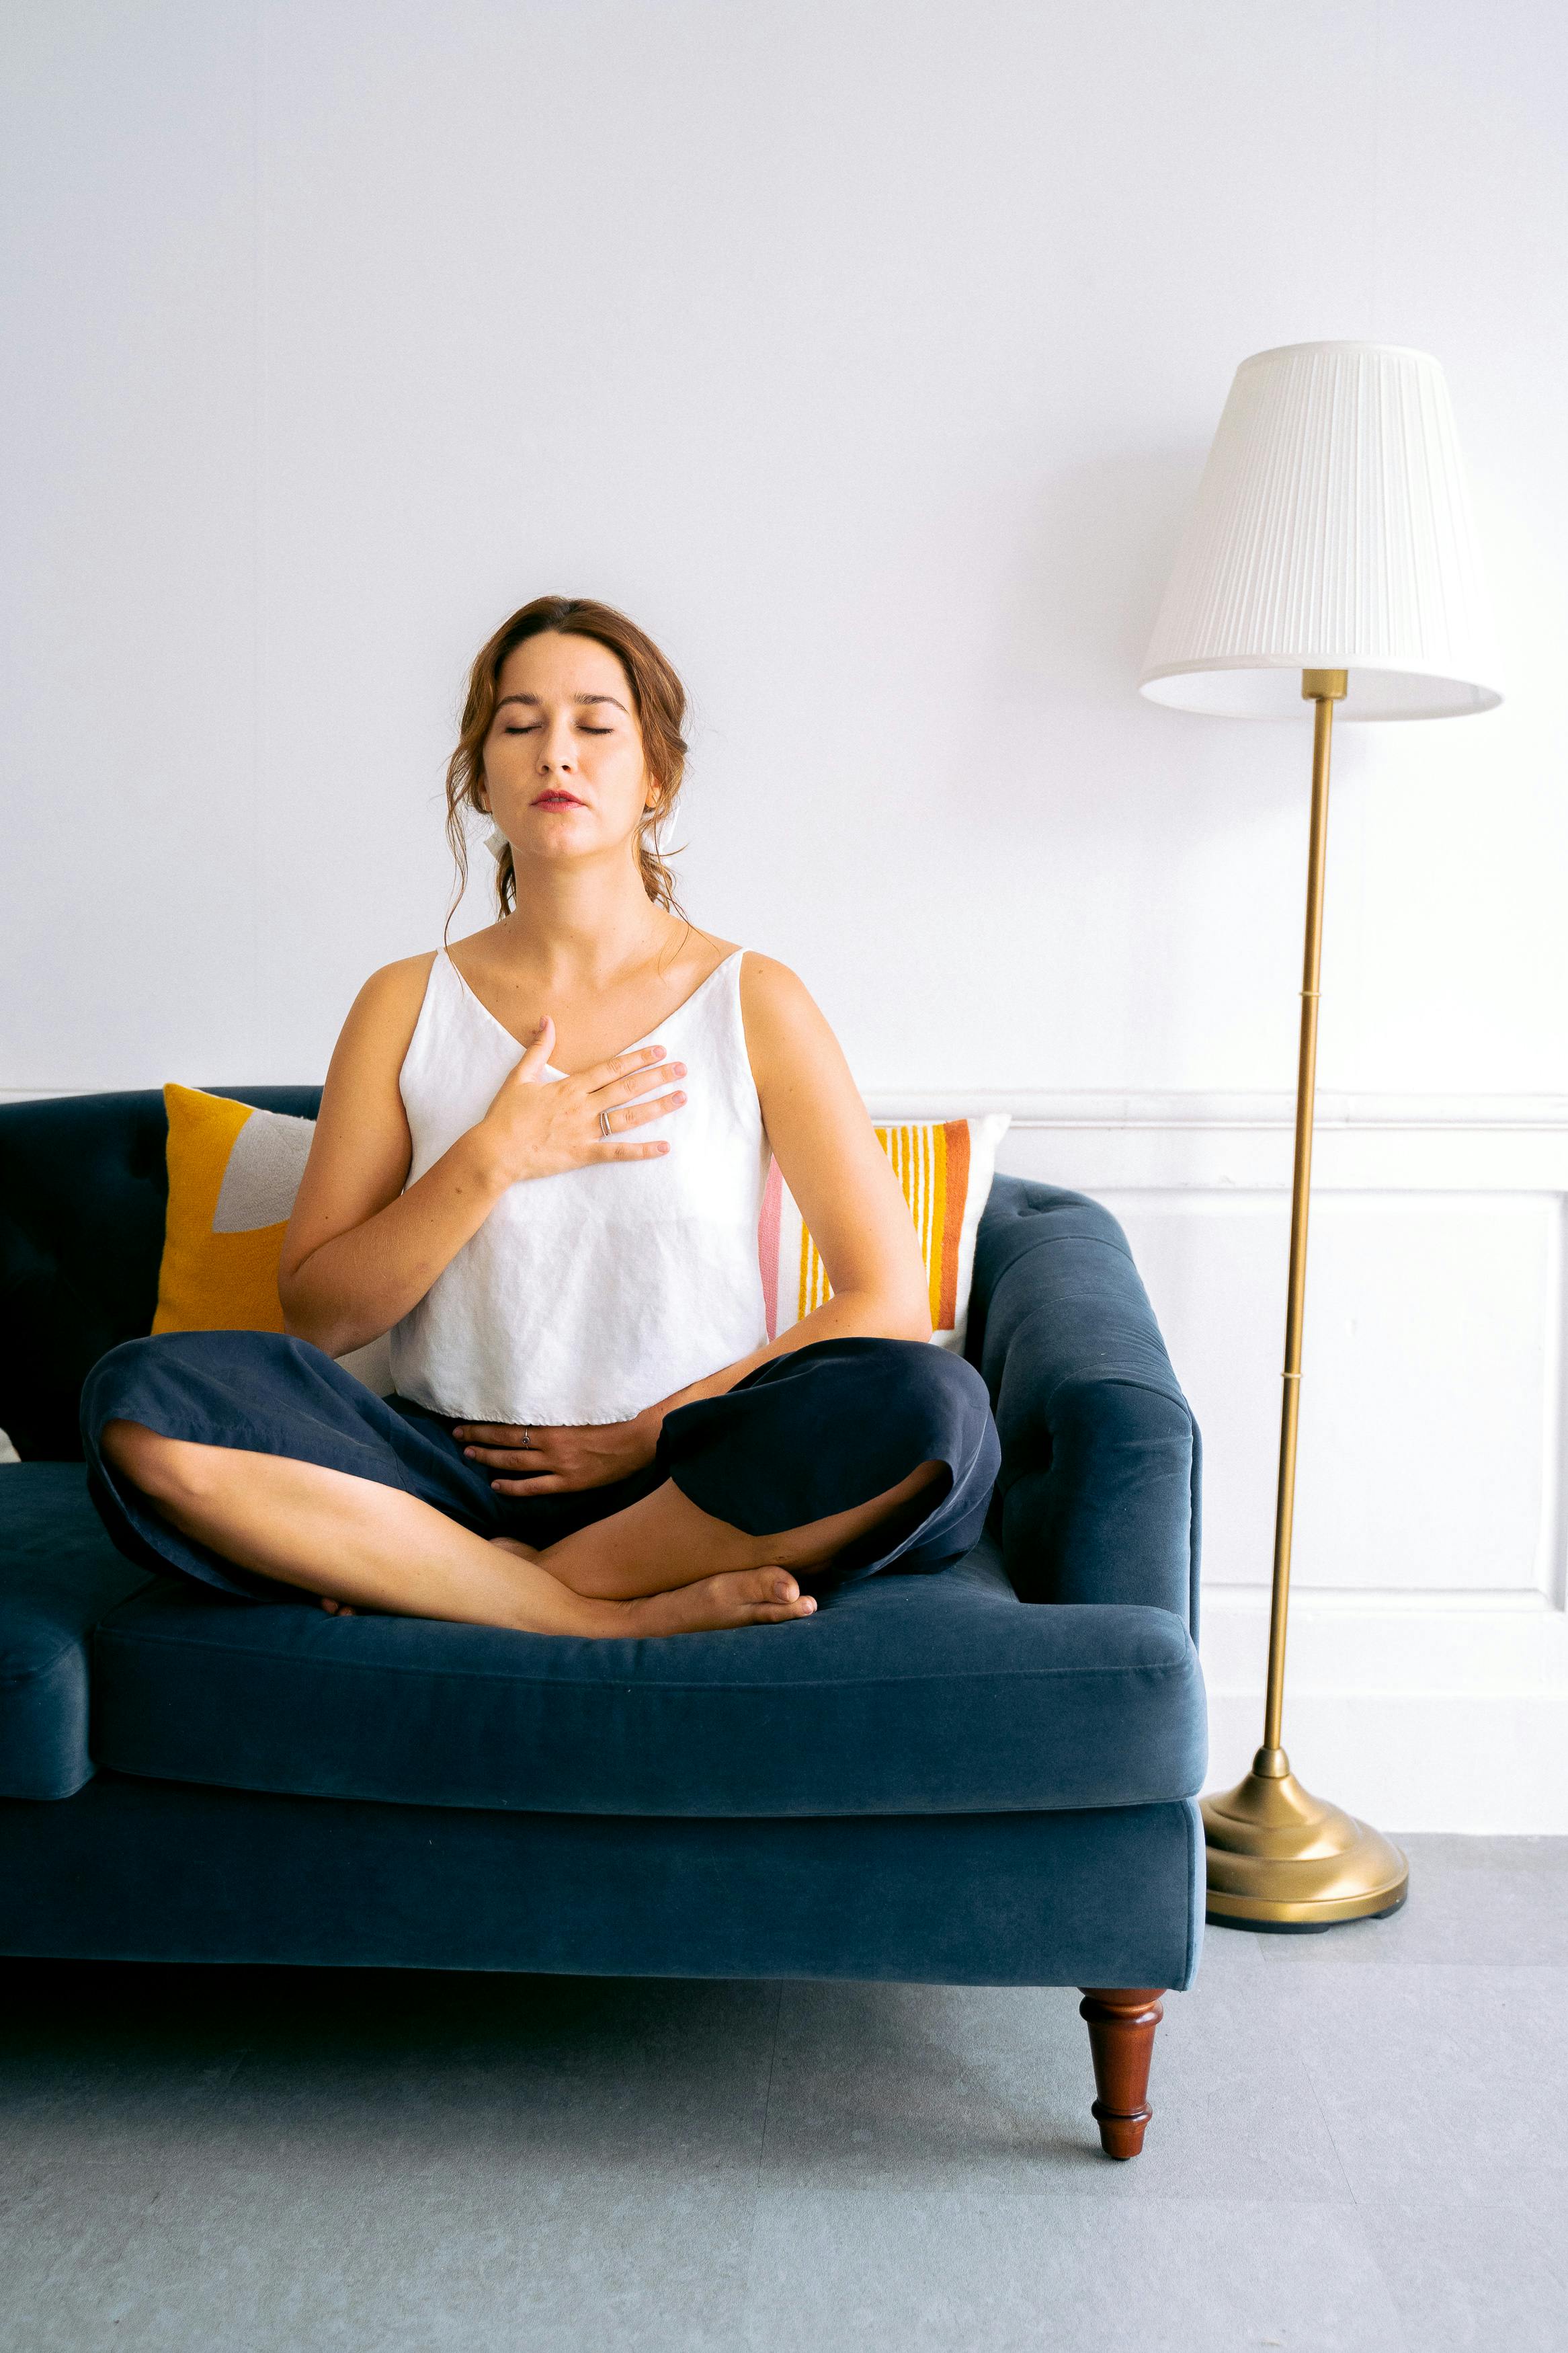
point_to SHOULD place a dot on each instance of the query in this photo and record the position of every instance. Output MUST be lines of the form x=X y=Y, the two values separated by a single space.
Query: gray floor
x=1360 y=2141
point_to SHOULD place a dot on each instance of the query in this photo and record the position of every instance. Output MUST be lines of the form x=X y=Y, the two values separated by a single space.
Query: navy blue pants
x=804 y=1435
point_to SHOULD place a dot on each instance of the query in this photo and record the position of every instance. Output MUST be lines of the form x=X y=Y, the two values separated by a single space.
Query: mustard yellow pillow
x=233 y=1175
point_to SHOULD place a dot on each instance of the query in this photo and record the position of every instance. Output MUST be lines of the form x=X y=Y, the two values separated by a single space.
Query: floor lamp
x=1330 y=560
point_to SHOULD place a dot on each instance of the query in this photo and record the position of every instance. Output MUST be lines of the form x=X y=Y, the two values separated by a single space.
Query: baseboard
x=1487 y=1762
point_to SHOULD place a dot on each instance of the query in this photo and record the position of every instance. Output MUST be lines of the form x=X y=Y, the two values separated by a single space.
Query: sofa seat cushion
x=920 y=1693
x=59 y=1574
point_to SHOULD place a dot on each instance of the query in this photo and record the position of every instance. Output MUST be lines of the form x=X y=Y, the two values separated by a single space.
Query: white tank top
x=589 y=1295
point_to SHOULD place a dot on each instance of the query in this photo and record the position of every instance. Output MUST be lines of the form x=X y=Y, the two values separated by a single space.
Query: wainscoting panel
x=1427 y=1350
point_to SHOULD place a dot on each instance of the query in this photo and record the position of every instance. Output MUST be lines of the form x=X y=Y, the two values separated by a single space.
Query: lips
x=557 y=800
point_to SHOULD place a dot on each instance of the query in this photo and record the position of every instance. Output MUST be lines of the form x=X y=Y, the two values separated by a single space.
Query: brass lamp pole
x=1276 y=1857
x=1330 y=556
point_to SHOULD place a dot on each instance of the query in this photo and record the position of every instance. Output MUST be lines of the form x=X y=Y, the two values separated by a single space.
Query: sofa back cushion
x=83 y=1190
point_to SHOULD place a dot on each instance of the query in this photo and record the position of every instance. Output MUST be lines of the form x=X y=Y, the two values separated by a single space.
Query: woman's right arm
x=359 y=1252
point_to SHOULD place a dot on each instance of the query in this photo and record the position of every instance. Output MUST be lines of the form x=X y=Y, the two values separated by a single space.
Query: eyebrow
x=534 y=699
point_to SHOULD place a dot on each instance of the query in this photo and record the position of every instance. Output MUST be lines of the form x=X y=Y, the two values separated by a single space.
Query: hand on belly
x=559 y=1456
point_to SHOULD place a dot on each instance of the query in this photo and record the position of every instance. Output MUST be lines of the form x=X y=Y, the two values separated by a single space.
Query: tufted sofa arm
x=1098 y=1497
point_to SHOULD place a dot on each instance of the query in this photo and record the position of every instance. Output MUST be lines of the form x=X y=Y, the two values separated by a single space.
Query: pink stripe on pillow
x=768 y=1247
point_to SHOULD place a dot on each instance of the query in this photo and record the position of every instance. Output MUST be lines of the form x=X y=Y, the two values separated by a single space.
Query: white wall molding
x=1215 y=1107
x=1129 y=1141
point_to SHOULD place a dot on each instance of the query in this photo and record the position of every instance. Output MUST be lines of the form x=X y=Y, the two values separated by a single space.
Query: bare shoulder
x=771 y=990
x=375 y=1036
x=402 y=983
x=390 y=998
x=784 y=1026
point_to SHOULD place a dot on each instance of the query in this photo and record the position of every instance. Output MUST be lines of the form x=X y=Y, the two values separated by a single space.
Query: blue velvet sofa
x=985 y=1776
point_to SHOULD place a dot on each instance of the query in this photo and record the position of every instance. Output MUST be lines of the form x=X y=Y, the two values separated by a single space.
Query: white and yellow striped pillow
x=945 y=1167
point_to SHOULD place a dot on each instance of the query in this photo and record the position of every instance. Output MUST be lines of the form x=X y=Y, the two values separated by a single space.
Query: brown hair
x=657 y=696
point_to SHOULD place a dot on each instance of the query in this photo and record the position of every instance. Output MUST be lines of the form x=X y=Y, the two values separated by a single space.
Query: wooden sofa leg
x=1122 y=2038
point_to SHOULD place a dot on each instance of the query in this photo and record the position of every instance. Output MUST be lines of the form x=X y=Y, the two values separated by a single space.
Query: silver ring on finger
x=604 y=1122
x=527 y=1438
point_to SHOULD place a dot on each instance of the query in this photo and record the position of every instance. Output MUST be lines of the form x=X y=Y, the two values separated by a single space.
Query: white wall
x=869 y=354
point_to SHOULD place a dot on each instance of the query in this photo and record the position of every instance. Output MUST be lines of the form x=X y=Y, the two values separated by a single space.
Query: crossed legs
x=662 y=1565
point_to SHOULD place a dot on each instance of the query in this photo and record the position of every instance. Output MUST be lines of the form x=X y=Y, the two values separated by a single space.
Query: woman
x=591 y=1434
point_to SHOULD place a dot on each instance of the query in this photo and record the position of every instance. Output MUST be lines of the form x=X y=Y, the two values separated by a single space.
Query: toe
x=775 y=1613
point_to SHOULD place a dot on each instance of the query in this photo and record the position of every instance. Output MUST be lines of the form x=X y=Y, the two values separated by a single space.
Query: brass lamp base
x=1279 y=1858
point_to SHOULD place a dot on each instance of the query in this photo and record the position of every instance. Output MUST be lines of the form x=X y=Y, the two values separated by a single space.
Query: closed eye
x=531 y=731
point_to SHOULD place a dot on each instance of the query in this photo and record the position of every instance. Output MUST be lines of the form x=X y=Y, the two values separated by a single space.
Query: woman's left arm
x=843 y=1181
x=853 y=1204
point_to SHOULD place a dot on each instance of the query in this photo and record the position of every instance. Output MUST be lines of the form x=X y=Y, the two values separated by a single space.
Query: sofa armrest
x=1097 y=1497
x=59 y=1575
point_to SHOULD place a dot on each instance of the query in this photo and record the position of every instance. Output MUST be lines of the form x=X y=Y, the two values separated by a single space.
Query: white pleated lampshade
x=1332 y=530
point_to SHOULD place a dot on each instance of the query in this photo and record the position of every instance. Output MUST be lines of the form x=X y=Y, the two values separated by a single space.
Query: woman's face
x=563 y=760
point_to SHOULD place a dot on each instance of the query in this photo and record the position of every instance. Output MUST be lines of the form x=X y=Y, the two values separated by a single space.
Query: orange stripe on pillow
x=936 y=1247
x=955 y=1166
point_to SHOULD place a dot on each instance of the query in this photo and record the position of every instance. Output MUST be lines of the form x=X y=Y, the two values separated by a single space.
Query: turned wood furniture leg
x=1121 y=2038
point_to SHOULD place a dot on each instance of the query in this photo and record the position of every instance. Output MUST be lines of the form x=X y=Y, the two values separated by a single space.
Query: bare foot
x=741 y=1596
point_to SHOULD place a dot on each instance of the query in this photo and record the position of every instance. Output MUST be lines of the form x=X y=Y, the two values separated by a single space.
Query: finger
x=553 y=1485
x=633 y=1114
x=499 y=1458
x=490 y=1433
x=632 y=1151
x=620 y=1090
x=536 y=1053
x=618 y=1066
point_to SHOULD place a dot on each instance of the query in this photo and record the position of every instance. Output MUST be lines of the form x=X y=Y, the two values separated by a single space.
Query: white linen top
x=586 y=1295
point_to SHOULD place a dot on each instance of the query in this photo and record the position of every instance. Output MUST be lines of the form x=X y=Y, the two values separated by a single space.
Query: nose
x=554 y=749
